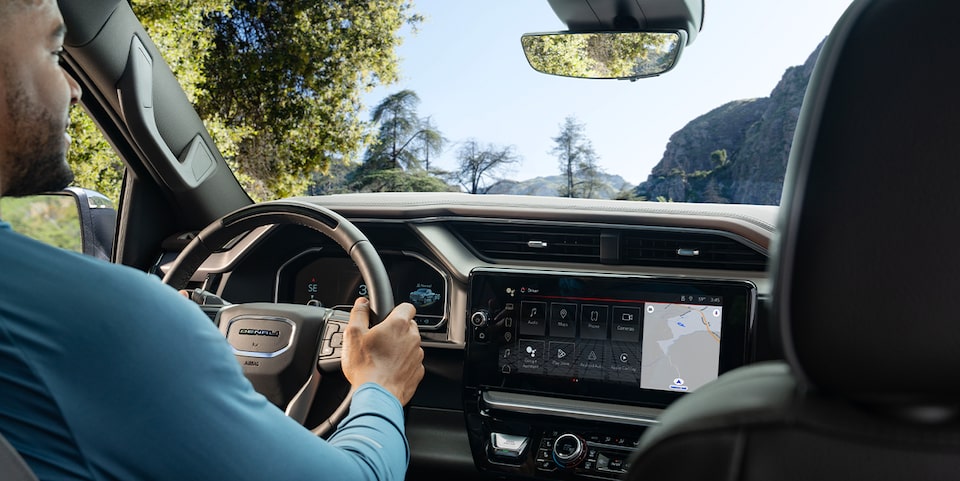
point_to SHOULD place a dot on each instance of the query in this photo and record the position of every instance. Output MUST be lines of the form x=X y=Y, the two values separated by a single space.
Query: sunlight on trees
x=277 y=84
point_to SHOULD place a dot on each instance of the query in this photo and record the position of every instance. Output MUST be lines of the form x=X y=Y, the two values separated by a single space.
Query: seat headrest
x=866 y=264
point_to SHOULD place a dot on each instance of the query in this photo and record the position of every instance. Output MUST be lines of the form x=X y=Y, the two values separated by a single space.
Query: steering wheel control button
x=332 y=327
x=255 y=336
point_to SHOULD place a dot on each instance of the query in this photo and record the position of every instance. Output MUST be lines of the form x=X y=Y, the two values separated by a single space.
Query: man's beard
x=38 y=154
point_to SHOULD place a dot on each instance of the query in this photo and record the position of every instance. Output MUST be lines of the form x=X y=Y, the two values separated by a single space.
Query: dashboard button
x=424 y=321
x=563 y=319
x=593 y=321
x=481 y=335
x=533 y=319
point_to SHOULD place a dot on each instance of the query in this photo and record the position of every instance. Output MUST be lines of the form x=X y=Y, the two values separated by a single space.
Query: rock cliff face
x=736 y=153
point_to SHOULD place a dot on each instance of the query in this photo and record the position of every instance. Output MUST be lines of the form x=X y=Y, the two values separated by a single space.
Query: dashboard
x=555 y=331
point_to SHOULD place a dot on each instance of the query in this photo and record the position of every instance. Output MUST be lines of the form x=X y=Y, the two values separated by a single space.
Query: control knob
x=569 y=450
x=480 y=318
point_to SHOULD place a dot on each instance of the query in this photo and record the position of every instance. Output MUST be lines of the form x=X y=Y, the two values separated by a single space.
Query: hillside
x=549 y=186
x=736 y=153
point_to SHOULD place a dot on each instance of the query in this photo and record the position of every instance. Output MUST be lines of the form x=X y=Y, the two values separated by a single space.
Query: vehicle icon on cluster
x=424 y=297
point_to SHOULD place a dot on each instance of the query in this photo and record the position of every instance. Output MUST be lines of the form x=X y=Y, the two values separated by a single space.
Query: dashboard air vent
x=613 y=245
x=688 y=249
x=531 y=242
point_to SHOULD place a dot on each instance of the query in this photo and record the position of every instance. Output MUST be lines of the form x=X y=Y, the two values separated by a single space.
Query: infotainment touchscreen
x=605 y=336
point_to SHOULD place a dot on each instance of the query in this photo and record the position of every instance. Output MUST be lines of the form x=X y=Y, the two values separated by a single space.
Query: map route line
x=703 y=318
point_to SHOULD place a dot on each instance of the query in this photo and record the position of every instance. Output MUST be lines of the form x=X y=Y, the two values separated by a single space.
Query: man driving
x=107 y=373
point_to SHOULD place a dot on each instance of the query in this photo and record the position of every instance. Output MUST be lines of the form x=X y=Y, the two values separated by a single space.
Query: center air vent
x=660 y=247
x=531 y=242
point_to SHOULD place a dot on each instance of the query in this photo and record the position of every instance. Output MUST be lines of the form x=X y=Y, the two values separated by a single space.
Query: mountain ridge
x=735 y=153
x=754 y=135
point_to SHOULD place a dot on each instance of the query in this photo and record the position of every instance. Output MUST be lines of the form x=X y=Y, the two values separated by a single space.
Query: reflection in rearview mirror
x=603 y=55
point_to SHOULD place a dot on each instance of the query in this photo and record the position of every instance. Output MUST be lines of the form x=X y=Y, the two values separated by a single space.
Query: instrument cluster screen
x=331 y=281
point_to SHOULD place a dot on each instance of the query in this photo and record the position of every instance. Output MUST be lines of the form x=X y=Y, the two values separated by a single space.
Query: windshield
x=435 y=95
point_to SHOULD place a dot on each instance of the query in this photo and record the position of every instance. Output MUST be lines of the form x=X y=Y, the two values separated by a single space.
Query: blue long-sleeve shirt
x=106 y=373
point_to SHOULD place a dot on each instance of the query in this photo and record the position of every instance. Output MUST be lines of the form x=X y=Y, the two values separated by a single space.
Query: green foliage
x=429 y=142
x=400 y=132
x=95 y=164
x=719 y=157
x=292 y=73
x=629 y=194
x=398 y=180
x=601 y=55
x=399 y=157
x=336 y=180
x=577 y=161
x=277 y=84
x=53 y=219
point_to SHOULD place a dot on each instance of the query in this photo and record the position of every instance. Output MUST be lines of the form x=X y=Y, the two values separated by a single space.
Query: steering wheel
x=284 y=349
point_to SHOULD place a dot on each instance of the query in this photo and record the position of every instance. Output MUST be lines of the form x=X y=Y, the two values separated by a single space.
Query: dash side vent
x=689 y=249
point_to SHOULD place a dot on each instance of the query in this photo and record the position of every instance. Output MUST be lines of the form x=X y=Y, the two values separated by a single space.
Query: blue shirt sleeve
x=148 y=388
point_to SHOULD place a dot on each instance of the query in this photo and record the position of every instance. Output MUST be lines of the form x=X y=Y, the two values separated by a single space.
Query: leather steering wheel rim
x=292 y=212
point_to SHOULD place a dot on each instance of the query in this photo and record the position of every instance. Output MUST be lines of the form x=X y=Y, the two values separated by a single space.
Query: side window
x=53 y=219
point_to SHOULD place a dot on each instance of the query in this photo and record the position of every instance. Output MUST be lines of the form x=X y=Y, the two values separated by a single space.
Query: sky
x=466 y=65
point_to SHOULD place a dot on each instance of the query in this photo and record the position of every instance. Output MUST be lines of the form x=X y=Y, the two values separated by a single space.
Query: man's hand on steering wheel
x=388 y=354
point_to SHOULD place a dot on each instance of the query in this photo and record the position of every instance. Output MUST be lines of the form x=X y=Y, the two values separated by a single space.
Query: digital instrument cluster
x=329 y=281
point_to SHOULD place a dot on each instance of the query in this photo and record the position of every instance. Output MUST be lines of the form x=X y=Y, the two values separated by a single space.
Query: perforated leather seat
x=866 y=271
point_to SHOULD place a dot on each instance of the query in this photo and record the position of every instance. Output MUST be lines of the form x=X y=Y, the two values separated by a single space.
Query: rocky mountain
x=736 y=153
x=614 y=185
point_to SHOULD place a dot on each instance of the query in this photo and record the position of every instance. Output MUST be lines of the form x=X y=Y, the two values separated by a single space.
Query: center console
x=564 y=371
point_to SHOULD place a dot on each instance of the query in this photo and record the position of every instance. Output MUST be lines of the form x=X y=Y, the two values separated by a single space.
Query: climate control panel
x=587 y=453
x=572 y=450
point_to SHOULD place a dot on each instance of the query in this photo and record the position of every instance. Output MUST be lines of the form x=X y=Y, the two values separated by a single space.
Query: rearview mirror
x=603 y=55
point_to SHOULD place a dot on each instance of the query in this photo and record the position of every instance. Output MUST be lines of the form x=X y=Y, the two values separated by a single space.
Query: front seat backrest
x=12 y=466
x=864 y=268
